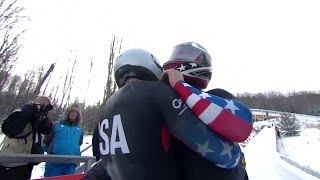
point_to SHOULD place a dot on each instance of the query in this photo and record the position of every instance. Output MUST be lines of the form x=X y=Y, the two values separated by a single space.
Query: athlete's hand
x=172 y=75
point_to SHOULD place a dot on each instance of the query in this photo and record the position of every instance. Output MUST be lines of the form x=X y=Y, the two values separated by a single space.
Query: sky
x=256 y=46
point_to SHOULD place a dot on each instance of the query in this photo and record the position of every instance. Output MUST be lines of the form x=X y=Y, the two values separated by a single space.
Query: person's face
x=38 y=106
x=72 y=115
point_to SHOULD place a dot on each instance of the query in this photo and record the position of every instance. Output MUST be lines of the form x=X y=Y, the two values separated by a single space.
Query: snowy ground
x=304 y=149
x=263 y=162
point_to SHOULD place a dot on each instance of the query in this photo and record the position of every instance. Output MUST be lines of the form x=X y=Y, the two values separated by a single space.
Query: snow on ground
x=308 y=119
x=263 y=162
x=304 y=149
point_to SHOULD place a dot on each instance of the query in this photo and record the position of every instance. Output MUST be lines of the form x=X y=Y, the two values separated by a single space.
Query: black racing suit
x=139 y=109
x=95 y=143
x=97 y=172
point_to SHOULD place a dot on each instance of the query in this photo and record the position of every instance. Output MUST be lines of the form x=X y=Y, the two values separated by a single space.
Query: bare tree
x=4 y=75
x=10 y=17
x=42 y=79
x=24 y=89
x=68 y=82
x=88 y=84
x=110 y=84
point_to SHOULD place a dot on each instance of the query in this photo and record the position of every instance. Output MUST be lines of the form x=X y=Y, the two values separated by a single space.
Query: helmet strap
x=146 y=76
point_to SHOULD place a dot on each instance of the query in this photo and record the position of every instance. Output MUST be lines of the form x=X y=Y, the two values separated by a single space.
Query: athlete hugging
x=151 y=130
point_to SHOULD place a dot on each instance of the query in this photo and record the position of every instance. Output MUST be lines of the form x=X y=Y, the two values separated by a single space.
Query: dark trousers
x=16 y=173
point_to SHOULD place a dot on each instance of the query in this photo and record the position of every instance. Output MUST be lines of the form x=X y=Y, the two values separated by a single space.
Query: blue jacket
x=66 y=139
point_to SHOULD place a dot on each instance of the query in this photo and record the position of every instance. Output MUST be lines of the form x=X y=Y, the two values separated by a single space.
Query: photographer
x=23 y=129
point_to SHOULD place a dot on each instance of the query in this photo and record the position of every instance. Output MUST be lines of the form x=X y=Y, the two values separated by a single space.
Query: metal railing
x=86 y=148
x=82 y=167
x=280 y=112
x=28 y=158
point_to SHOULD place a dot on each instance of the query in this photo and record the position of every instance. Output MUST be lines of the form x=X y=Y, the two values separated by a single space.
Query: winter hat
x=74 y=108
x=42 y=100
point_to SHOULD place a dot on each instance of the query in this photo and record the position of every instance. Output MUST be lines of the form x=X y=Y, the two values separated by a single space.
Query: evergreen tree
x=290 y=125
x=315 y=111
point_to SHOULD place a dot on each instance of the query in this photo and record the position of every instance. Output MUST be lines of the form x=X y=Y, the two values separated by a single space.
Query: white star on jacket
x=222 y=165
x=238 y=158
x=225 y=165
x=230 y=105
x=227 y=148
x=204 y=95
x=181 y=68
x=186 y=85
x=193 y=65
x=203 y=148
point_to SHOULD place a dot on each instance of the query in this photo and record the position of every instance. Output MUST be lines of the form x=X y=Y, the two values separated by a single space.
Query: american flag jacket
x=229 y=118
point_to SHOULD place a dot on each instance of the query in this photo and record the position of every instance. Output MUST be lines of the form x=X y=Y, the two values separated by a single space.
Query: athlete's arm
x=186 y=127
x=229 y=118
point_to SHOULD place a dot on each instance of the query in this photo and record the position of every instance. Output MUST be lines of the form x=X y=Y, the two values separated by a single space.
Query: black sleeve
x=221 y=93
x=170 y=104
x=48 y=138
x=13 y=124
x=95 y=143
x=45 y=126
x=41 y=123
x=29 y=110
x=81 y=138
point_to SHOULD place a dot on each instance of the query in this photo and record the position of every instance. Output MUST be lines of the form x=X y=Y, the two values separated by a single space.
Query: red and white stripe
x=215 y=117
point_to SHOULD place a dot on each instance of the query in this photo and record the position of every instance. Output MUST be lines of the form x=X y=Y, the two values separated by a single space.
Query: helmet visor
x=190 y=54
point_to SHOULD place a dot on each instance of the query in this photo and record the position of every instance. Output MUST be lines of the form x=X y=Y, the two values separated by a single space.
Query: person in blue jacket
x=65 y=139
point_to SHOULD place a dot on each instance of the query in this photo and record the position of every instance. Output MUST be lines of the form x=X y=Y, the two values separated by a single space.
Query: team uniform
x=136 y=121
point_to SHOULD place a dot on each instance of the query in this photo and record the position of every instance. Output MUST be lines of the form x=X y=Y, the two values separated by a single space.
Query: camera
x=44 y=108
